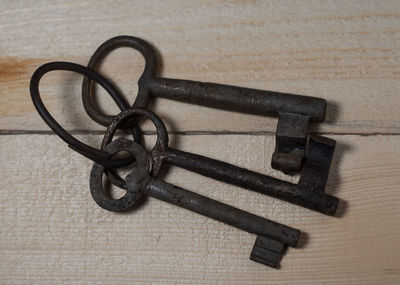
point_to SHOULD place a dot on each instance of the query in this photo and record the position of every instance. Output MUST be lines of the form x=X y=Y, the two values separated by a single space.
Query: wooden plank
x=52 y=231
x=346 y=52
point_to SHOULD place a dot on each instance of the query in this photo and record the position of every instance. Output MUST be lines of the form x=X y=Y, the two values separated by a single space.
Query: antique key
x=308 y=193
x=294 y=111
x=140 y=184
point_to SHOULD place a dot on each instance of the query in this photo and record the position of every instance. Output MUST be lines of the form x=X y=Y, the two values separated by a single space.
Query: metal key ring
x=94 y=154
x=149 y=72
x=120 y=119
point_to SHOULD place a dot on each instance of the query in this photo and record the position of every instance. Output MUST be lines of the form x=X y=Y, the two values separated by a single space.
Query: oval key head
x=149 y=72
x=137 y=178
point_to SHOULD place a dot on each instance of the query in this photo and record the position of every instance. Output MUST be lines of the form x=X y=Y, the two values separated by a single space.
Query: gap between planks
x=191 y=133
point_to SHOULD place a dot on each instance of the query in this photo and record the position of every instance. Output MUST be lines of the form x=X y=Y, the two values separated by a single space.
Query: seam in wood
x=191 y=133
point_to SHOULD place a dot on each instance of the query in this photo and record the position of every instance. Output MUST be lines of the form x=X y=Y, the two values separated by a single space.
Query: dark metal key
x=308 y=193
x=140 y=183
x=294 y=111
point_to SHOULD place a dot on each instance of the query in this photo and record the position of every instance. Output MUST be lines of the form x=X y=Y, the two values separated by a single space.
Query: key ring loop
x=94 y=154
x=149 y=72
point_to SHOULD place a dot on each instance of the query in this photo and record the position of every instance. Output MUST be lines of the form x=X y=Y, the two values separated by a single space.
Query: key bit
x=317 y=162
x=267 y=251
x=291 y=138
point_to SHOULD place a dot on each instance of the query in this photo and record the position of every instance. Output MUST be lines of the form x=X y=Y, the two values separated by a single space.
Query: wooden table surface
x=347 y=52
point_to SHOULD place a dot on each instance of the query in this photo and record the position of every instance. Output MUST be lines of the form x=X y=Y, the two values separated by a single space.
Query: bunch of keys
x=295 y=150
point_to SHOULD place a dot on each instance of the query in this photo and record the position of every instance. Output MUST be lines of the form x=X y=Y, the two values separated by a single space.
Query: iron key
x=305 y=193
x=294 y=111
x=140 y=183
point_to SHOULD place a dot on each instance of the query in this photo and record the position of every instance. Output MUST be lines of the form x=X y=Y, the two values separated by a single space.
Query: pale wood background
x=347 y=52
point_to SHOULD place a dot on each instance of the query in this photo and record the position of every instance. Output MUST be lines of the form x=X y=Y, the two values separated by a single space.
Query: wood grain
x=347 y=52
x=52 y=231
x=344 y=51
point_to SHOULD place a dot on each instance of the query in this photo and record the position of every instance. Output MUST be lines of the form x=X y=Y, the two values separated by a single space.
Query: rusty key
x=308 y=193
x=294 y=111
x=140 y=184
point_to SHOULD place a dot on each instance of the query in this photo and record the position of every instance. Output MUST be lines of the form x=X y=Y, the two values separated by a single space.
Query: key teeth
x=267 y=251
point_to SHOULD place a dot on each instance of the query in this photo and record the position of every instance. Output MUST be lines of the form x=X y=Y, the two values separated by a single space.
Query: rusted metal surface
x=302 y=194
x=140 y=184
x=294 y=111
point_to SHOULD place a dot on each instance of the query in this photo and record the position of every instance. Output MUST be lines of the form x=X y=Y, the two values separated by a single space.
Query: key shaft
x=222 y=212
x=239 y=99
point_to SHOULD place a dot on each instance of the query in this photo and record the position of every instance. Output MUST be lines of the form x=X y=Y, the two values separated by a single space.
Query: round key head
x=156 y=153
x=137 y=178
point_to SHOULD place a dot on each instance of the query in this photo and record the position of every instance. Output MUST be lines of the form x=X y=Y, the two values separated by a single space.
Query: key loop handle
x=92 y=153
x=149 y=72
x=160 y=146
x=138 y=176
x=162 y=134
